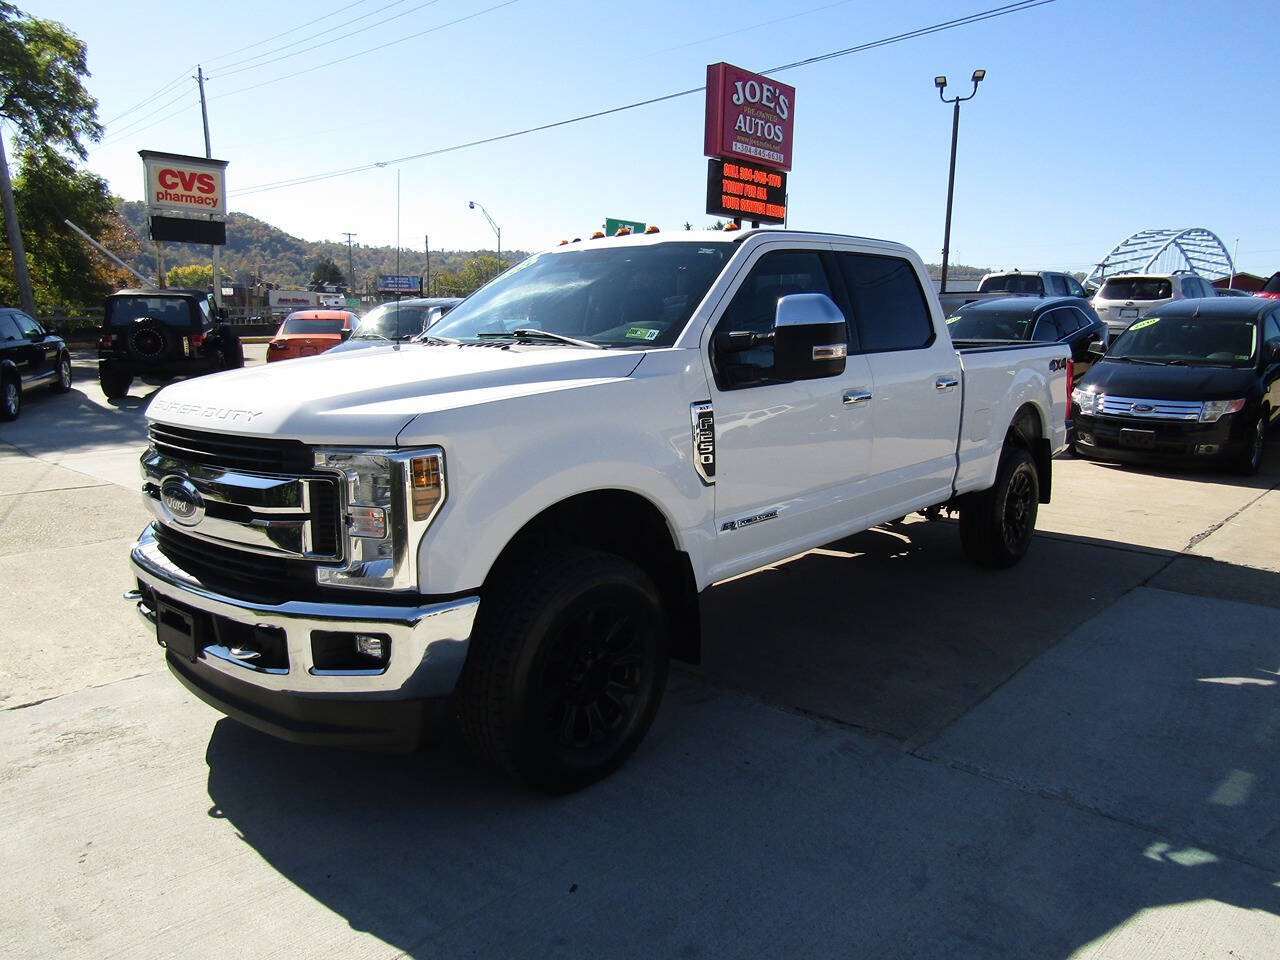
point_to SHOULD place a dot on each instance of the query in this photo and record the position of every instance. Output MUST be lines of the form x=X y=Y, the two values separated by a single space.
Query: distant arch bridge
x=1164 y=251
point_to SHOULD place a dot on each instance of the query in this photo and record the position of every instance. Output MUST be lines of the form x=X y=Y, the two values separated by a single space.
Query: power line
x=988 y=14
x=382 y=46
x=240 y=66
x=155 y=96
x=754 y=26
x=131 y=127
x=285 y=33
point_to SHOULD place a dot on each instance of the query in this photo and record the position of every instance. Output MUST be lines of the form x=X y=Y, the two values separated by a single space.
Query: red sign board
x=749 y=117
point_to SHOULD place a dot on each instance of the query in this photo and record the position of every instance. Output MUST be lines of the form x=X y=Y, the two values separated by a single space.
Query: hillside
x=279 y=257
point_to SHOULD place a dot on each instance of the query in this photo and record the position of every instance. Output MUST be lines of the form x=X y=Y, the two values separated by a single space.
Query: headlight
x=1215 y=410
x=1086 y=400
x=391 y=497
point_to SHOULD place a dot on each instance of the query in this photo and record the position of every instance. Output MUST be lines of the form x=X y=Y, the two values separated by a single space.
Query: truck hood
x=368 y=396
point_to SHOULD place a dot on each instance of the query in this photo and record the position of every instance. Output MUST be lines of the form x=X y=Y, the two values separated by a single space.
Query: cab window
x=889 y=309
x=27 y=325
x=752 y=309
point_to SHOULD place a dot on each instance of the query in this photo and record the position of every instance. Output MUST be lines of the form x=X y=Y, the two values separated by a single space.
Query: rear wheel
x=10 y=397
x=63 y=383
x=566 y=669
x=115 y=384
x=232 y=351
x=996 y=525
x=1251 y=457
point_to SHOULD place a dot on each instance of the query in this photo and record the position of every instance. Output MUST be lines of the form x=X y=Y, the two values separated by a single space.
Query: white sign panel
x=181 y=184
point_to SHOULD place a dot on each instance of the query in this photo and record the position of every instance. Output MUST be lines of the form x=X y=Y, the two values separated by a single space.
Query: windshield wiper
x=434 y=338
x=1149 y=363
x=529 y=333
x=371 y=336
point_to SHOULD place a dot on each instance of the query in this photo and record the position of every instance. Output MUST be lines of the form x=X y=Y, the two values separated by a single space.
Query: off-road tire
x=135 y=338
x=566 y=670
x=10 y=397
x=63 y=383
x=996 y=525
x=115 y=384
x=232 y=351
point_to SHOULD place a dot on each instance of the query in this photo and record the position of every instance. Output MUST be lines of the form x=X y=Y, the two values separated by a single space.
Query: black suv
x=29 y=357
x=161 y=334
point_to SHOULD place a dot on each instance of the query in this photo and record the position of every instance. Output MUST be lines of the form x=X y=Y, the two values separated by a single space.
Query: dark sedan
x=29 y=357
x=1194 y=380
x=398 y=320
x=1068 y=320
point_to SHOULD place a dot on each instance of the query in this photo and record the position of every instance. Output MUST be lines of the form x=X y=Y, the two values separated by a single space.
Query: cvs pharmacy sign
x=177 y=183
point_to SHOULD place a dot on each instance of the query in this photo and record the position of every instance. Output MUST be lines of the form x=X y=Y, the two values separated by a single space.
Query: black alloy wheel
x=997 y=525
x=10 y=397
x=567 y=668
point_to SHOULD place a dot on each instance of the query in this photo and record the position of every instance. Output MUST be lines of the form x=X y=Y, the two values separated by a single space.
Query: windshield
x=1136 y=288
x=171 y=311
x=615 y=296
x=295 y=324
x=1272 y=285
x=987 y=325
x=1195 y=341
x=380 y=323
x=1013 y=283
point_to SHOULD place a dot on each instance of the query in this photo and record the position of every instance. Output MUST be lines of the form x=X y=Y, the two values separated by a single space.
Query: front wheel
x=566 y=669
x=63 y=383
x=996 y=525
x=1251 y=457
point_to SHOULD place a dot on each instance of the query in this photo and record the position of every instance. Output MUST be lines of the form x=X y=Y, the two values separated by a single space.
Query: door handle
x=852 y=398
x=946 y=383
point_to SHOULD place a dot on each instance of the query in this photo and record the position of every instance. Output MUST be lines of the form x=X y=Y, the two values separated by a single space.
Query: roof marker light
x=651 y=228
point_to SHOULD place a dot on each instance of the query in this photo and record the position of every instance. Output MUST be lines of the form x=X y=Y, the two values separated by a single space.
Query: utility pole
x=941 y=84
x=208 y=154
x=351 y=272
x=426 y=283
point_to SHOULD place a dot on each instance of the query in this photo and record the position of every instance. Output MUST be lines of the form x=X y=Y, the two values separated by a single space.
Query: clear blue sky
x=1096 y=119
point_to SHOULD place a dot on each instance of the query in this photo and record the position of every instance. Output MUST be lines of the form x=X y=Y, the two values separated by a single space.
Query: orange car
x=305 y=333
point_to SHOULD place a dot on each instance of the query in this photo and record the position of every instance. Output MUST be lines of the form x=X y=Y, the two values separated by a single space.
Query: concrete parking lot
x=886 y=752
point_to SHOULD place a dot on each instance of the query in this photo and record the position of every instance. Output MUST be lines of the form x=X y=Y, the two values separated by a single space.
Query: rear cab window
x=1013 y=283
x=889 y=308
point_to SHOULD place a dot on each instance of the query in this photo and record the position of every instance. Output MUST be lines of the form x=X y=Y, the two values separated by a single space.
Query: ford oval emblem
x=1142 y=408
x=182 y=500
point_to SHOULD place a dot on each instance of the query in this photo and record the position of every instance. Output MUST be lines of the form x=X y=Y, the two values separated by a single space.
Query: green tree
x=42 y=95
x=326 y=271
x=66 y=273
x=193 y=276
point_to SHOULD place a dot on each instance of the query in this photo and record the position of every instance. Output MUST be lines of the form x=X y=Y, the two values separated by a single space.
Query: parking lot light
x=941 y=82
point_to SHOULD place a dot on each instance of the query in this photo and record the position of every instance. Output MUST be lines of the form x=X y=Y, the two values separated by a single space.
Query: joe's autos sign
x=749 y=117
x=190 y=185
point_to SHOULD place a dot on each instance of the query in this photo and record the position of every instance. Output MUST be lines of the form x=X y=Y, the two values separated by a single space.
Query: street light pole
x=941 y=84
x=496 y=229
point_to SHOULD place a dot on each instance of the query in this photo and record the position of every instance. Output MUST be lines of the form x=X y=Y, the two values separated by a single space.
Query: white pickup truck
x=509 y=522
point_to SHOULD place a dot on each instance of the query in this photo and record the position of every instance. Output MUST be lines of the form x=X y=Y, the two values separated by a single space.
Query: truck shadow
x=866 y=814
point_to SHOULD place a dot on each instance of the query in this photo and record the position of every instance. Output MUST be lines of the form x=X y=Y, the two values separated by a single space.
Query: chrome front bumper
x=428 y=643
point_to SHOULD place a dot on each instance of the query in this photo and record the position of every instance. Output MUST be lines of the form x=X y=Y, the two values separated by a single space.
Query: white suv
x=1125 y=298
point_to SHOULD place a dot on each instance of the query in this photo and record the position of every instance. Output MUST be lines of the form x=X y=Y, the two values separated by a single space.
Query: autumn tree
x=192 y=276
x=326 y=271
x=43 y=97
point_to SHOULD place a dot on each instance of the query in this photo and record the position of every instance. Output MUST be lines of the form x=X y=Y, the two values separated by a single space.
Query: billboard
x=391 y=283
x=748 y=117
x=747 y=191
x=186 y=230
x=176 y=183
x=292 y=299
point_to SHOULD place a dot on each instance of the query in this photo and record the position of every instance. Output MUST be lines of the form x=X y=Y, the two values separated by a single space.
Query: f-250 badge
x=704 y=440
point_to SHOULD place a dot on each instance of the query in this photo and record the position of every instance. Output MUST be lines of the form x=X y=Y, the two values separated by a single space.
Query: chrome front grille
x=1151 y=409
x=250 y=494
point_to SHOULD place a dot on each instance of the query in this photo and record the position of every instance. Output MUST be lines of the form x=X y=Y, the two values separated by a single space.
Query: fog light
x=1085 y=438
x=1207 y=449
x=368 y=522
x=369 y=646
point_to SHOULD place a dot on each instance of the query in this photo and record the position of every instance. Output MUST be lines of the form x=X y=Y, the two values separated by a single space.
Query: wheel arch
x=629 y=525
x=1028 y=429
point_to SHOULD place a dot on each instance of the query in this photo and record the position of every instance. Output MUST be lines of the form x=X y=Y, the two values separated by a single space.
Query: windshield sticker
x=1144 y=323
x=642 y=333
x=953 y=318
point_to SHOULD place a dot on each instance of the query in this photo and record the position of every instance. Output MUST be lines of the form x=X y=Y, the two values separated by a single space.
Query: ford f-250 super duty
x=510 y=521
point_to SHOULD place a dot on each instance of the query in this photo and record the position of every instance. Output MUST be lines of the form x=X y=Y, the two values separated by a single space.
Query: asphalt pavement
x=886 y=752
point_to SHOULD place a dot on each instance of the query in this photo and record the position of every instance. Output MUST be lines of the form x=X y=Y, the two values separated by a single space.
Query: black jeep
x=162 y=334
